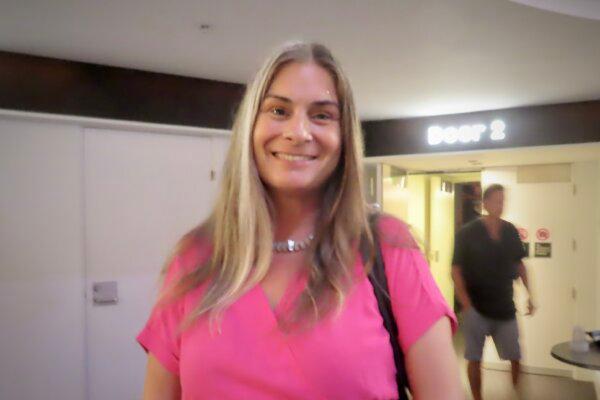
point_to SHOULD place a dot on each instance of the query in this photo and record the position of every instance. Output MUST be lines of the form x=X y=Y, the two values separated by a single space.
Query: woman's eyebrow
x=326 y=103
x=317 y=103
x=277 y=97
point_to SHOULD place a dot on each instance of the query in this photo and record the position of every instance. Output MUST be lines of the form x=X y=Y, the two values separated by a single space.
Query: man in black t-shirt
x=487 y=259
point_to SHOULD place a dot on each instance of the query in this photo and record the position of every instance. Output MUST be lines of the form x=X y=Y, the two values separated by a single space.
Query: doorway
x=559 y=198
x=434 y=205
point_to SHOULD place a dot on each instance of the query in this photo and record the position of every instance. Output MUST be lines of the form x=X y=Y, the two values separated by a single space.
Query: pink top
x=347 y=356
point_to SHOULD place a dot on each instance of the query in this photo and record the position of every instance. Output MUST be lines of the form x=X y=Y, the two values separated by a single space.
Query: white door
x=142 y=193
x=535 y=206
x=41 y=262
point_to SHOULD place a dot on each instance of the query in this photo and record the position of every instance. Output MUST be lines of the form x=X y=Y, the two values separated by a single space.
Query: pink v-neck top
x=346 y=356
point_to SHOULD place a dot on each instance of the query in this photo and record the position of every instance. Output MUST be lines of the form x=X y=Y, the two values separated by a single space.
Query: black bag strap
x=378 y=280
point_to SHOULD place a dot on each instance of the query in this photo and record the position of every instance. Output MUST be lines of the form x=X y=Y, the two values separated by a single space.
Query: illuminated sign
x=465 y=133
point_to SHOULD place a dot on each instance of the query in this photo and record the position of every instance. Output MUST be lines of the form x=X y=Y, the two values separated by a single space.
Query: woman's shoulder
x=194 y=249
x=394 y=232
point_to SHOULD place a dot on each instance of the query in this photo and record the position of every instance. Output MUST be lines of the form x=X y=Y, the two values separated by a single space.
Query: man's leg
x=474 y=372
x=475 y=330
x=515 y=369
x=506 y=339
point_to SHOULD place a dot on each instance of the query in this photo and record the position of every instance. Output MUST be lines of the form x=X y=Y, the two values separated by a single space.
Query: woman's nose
x=298 y=129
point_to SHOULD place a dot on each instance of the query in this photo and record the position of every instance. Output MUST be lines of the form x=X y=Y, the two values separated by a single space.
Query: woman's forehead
x=303 y=80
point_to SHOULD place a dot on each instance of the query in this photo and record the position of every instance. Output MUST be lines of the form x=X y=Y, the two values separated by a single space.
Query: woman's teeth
x=293 y=157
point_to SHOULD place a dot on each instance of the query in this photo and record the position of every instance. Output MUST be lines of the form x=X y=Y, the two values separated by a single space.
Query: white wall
x=41 y=262
x=81 y=204
x=585 y=177
x=569 y=217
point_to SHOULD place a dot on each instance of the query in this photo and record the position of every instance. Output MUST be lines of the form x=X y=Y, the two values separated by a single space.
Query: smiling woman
x=296 y=139
x=270 y=297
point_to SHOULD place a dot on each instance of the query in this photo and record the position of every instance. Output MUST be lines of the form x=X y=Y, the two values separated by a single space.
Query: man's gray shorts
x=505 y=334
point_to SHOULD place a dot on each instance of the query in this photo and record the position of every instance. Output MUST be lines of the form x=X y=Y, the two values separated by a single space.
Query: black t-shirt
x=489 y=267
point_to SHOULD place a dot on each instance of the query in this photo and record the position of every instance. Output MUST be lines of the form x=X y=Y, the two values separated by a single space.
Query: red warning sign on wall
x=523 y=234
x=542 y=234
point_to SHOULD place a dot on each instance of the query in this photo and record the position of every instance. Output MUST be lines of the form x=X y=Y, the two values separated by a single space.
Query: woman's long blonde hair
x=240 y=227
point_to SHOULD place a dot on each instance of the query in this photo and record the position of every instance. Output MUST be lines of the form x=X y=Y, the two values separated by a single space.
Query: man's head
x=493 y=200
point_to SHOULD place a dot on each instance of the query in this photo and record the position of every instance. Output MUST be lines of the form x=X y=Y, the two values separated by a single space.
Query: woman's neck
x=295 y=216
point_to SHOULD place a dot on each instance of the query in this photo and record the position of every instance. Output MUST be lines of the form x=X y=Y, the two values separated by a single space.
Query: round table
x=590 y=359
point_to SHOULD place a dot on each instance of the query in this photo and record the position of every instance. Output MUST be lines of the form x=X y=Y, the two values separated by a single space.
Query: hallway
x=497 y=384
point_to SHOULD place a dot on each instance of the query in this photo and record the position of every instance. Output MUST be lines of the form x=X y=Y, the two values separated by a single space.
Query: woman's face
x=296 y=139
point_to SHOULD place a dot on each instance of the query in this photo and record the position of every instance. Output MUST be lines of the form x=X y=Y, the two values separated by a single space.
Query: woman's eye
x=278 y=111
x=323 y=116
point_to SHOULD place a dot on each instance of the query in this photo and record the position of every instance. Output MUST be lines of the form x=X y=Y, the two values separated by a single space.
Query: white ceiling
x=578 y=8
x=477 y=160
x=404 y=57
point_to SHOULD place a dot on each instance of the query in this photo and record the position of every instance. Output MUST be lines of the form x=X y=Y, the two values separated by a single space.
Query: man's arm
x=522 y=272
x=460 y=287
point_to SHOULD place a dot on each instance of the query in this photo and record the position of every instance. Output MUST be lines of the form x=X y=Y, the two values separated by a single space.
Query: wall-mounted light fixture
x=446 y=187
x=400 y=181
x=399 y=177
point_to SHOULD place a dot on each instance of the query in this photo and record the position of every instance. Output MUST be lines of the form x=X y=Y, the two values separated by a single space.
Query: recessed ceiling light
x=205 y=27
